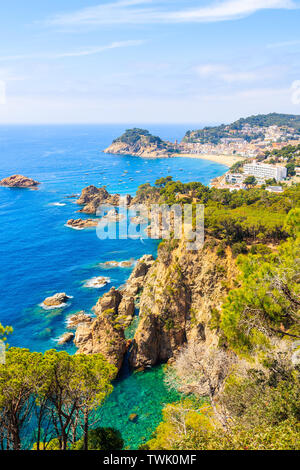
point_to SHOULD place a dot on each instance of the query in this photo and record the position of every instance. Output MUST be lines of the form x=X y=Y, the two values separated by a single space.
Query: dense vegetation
x=54 y=395
x=214 y=134
x=253 y=216
x=271 y=119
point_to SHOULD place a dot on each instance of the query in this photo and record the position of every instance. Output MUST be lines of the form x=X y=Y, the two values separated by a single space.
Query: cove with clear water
x=40 y=256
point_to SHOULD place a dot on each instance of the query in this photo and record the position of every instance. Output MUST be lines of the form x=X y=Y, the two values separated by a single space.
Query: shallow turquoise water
x=142 y=393
x=39 y=256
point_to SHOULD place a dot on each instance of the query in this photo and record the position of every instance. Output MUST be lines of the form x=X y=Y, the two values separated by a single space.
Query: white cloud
x=83 y=52
x=225 y=73
x=143 y=11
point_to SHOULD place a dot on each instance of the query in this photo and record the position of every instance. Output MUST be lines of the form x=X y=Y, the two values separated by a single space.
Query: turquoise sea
x=40 y=256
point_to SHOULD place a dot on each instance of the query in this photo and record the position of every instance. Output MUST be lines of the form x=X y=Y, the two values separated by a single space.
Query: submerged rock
x=118 y=264
x=97 y=282
x=19 y=181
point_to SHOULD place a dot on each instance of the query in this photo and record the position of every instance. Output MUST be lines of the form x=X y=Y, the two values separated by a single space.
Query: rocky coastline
x=114 y=313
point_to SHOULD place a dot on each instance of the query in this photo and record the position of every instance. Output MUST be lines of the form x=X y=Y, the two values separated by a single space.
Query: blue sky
x=142 y=61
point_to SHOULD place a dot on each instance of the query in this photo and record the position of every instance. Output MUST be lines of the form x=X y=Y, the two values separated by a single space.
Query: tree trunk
x=86 y=430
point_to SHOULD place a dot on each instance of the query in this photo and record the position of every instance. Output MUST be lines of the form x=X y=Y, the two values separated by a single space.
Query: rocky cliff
x=114 y=313
x=139 y=142
x=181 y=291
x=178 y=293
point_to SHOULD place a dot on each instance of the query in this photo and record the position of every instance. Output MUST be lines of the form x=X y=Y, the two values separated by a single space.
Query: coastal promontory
x=19 y=181
x=140 y=143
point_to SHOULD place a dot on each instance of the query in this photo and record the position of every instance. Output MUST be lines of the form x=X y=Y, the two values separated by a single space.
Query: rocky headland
x=140 y=143
x=19 y=181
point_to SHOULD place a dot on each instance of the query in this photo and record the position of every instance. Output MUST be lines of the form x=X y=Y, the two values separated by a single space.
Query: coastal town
x=249 y=141
x=262 y=150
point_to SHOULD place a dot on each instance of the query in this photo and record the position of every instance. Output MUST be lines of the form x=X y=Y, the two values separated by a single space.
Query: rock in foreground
x=19 y=181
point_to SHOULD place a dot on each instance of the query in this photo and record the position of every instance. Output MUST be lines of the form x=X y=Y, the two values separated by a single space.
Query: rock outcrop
x=80 y=224
x=65 y=338
x=19 y=181
x=118 y=264
x=181 y=290
x=56 y=300
x=136 y=280
x=92 y=197
x=105 y=335
x=74 y=320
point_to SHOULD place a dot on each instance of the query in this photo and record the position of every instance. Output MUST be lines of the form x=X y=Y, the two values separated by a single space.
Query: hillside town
x=249 y=141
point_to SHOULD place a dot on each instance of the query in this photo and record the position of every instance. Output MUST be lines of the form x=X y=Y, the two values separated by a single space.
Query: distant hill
x=214 y=134
x=139 y=142
x=272 y=119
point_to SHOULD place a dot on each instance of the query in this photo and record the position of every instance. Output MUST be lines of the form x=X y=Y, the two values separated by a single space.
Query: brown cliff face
x=181 y=290
x=139 y=149
x=91 y=198
x=104 y=335
x=115 y=311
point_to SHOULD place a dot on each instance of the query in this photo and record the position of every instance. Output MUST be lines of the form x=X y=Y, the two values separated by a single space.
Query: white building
x=264 y=171
x=274 y=189
x=234 y=178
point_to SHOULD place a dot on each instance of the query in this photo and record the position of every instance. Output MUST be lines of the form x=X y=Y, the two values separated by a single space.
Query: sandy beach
x=227 y=160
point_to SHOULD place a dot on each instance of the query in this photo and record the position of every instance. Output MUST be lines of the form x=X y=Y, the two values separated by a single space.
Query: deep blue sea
x=40 y=256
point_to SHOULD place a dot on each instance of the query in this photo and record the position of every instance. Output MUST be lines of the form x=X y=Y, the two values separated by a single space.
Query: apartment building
x=263 y=171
